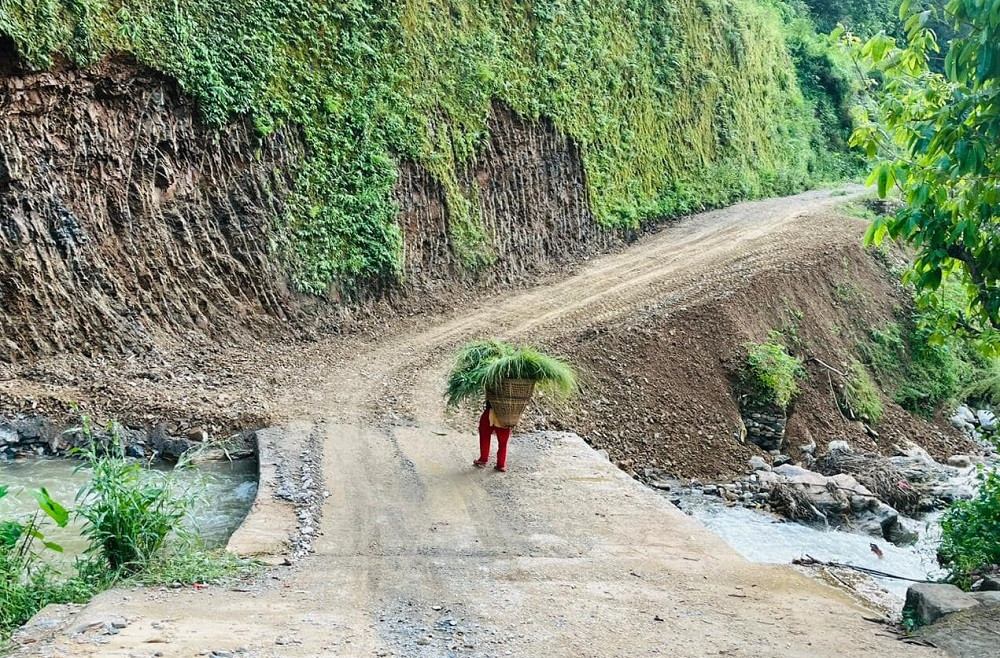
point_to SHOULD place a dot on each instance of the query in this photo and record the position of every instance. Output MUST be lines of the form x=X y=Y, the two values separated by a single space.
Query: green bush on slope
x=677 y=105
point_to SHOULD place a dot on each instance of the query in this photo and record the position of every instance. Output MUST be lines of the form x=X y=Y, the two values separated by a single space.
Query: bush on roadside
x=27 y=582
x=970 y=532
x=770 y=374
x=134 y=527
x=129 y=511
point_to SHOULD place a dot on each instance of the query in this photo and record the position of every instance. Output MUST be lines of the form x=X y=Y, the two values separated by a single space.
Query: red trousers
x=486 y=436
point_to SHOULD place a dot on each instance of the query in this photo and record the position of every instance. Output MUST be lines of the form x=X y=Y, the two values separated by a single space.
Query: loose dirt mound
x=660 y=383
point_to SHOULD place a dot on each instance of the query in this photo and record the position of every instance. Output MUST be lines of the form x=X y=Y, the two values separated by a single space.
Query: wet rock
x=990 y=584
x=135 y=451
x=8 y=436
x=208 y=455
x=932 y=601
x=937 y=484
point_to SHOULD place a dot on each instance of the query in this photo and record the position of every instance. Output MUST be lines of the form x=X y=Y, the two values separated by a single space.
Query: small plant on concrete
x=130 y=514
x=485 y=364
x=861 y=395
x=770 y=374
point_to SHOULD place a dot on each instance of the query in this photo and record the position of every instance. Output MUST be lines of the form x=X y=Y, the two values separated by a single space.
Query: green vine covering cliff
x=676 y=104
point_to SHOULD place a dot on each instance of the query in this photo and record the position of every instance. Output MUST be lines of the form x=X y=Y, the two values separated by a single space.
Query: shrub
x=924 y=370
x=129 y=511
x=770 y=374
x=130 y=514
x=27 y=583
x=970 y=529
x=861 y=395
x=484 y=364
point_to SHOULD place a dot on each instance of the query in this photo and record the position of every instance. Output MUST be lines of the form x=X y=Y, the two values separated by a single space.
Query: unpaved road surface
x=418 y=553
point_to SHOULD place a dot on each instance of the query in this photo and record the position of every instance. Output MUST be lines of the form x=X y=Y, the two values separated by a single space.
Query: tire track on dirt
x=420 y=555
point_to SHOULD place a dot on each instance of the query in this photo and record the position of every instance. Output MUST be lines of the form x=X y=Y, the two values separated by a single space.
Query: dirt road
x=420 y=554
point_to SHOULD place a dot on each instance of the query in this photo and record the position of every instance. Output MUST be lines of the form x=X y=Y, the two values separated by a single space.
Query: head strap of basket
x=509 y=398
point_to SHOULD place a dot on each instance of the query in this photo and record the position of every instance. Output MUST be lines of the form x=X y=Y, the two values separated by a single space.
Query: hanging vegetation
x=676 y=105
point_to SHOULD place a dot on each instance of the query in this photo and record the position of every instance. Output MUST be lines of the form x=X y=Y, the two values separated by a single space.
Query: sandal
x=502 y=469
x=479 y=464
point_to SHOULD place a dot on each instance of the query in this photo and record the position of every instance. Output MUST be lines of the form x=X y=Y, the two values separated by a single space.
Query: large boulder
x=928 y=602
x=804 y=495
x=963 y=416
x=987 y=420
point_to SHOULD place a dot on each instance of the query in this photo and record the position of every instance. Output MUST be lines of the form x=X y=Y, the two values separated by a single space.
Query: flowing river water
x=762 y=537
x=224 y=492
x=227 y=491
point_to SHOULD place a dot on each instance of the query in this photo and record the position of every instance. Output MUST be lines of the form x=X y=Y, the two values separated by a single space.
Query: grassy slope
x=677 y=104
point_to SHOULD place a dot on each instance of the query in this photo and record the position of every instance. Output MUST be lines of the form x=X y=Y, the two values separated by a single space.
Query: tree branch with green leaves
x=934 y=134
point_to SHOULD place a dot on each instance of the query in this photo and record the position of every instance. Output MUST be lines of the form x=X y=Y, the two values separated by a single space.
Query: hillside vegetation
x=676 y=104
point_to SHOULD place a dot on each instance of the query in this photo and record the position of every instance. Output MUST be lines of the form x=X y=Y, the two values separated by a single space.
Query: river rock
x=767 y=479
x=964 y=415
x=990 y=584
x=881 y=520
x=792 y=472
x=8 y=436
x=202 y=455
x=840 y=445
x=937 y=484
x=960 y=424
x=960 y=461
x=781 y=459
x=757 y=463
x=931 y=601
x=987 y=420
x=986 y=598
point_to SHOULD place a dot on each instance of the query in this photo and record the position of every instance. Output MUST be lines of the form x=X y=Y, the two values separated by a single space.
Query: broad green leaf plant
x=933 y=128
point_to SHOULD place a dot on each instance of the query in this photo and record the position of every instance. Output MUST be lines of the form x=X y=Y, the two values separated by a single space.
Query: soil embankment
x=419 y=554
x=662 y=385
x=128 y=226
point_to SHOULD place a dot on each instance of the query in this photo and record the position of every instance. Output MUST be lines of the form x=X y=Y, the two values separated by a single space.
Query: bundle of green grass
x=484 y=365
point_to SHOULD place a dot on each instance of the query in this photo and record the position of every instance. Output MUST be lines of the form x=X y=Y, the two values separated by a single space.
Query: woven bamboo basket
x=509 y=399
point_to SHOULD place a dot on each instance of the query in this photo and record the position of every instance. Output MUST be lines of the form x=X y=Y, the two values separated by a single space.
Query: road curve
x=418 y=554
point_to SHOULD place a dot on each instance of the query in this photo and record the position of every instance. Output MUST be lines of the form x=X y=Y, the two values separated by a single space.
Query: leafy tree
x=935 y=131
x=859 y=16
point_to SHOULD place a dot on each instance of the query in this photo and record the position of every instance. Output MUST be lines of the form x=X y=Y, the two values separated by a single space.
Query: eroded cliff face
x=529 y=185
x=125 y=221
